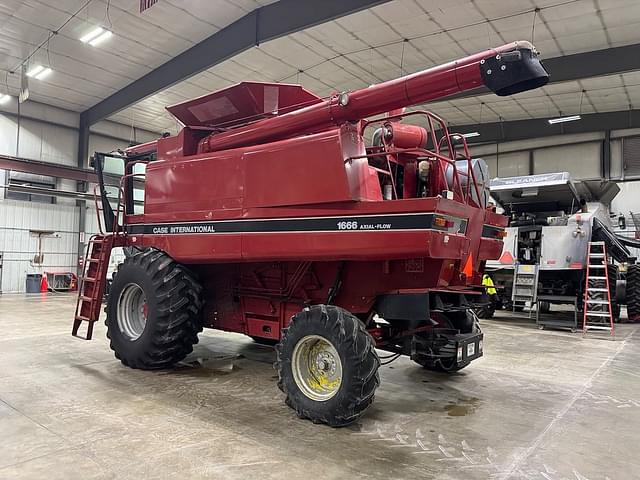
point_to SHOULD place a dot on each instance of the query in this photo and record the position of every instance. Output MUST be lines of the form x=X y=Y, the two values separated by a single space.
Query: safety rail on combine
x=445 y=142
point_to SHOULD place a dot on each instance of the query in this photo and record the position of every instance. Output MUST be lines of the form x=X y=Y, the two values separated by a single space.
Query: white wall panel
x=8 y=130
x=507 y=164
x=47 y=143
x=628 y=200
x=616 y=159
x=582 y=160
x=19 y=244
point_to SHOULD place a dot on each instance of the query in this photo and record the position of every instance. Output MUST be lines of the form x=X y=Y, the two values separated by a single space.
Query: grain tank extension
x=269 y=214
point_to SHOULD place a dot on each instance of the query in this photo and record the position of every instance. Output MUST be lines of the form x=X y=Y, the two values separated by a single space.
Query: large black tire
x=171 y=305
x=633 y=293
x=545 y=307
x=487 y=309
x=462 y=321
x=358 y=360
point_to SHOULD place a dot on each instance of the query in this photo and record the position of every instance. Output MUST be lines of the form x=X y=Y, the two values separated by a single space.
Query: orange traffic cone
x=44 y=286
x=468 y=267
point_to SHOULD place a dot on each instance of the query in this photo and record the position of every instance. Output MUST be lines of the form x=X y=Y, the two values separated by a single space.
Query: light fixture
x=572 y=118
x=470 y=134
x=101 y=38
x=91 y=35
x=4 y=98
x=35 y=71
x=44 y=73
x=530 y=192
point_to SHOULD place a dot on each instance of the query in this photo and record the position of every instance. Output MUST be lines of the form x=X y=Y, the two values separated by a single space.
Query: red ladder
x=598 y=314
x=92 y=283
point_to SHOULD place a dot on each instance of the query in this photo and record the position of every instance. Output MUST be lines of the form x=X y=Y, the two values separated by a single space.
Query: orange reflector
x=501 y=234
x=440 y=222
x=506 y=258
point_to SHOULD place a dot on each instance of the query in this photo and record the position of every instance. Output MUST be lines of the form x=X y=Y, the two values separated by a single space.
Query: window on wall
x=29 y=188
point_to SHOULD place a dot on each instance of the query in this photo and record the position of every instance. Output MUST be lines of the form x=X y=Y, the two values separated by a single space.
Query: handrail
x=446 y=141
x=122 y=191
x=432 y=119
x=121 y=199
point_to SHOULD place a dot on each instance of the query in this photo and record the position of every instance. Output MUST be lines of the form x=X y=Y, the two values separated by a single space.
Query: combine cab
x=269 y=215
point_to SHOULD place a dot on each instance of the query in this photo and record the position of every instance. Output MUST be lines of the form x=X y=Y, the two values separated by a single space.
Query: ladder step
x=597 y=290
x=591 y=277
x=597 y=243
x=84 y=298
x=596 y=327
x=89 y=279
x=596 y=266
x=93 y=260
x=84 y=319
x=599 y=302
x=598 y=314
x=596 y=255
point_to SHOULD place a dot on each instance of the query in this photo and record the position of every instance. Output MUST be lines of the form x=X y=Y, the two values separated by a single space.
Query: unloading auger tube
x=505 y=70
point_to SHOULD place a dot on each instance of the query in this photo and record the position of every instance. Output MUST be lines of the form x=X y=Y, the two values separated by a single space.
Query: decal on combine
x=421 y=221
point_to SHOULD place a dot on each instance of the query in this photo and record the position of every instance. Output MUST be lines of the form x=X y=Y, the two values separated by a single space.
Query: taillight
x=443 y=222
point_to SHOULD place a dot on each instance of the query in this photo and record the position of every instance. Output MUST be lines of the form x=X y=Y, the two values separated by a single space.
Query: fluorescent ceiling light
x=564 y=119
x=100 y=38
x=92 y=34
x=471 y=134
x=43 y=73
x=35 y=71
x=4 y=98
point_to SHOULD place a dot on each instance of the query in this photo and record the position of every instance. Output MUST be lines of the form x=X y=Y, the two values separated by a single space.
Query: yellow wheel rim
x=317 y=369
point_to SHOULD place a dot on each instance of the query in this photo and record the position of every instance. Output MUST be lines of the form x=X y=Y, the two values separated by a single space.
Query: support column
x=606 y=155
x=83 y=155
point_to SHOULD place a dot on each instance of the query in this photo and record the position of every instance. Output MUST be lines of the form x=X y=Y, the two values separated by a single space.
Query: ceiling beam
x=596 y=63
x=263 y=24
x=539 y=127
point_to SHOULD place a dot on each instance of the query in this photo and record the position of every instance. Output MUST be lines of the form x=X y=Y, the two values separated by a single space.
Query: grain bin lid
x=243 y=103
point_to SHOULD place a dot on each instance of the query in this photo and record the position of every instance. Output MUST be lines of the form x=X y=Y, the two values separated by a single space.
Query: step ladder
x=597 y=295
x=525 y=285
x=92 y=283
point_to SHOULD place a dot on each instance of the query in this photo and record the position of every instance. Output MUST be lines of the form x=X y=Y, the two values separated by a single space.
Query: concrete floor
x=540 y=405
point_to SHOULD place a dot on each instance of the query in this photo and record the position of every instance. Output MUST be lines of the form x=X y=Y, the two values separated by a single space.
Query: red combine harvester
x=268 y=215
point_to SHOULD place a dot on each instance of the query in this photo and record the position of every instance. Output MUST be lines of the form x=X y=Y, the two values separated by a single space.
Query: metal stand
x=555 y=322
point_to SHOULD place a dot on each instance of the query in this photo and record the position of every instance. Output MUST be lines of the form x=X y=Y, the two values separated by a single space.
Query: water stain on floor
x=462 y=407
